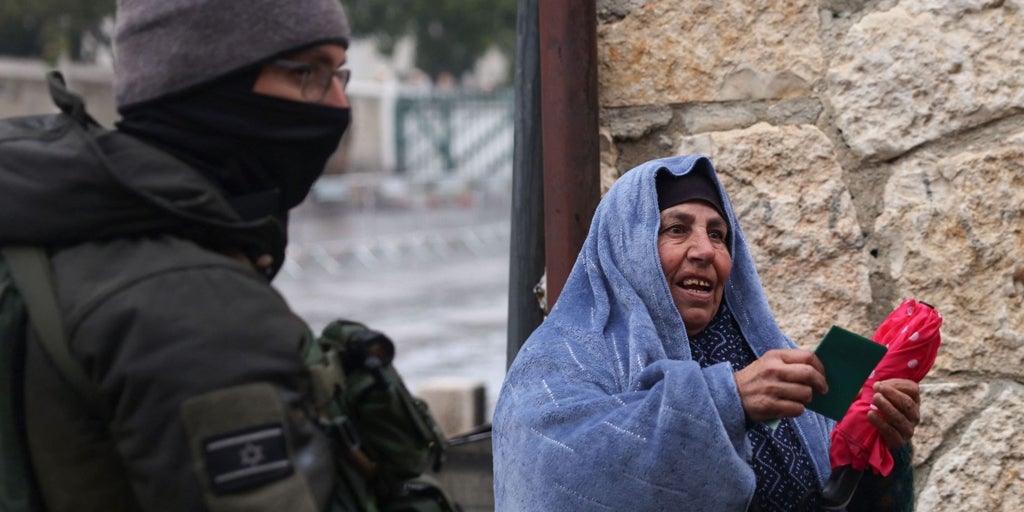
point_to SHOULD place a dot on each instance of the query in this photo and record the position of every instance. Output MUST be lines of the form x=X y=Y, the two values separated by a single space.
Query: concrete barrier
x=457 y=403
x=467 y=473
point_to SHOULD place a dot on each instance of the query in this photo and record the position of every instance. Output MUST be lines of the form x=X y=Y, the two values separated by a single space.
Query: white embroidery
x=553 y=440
x=551 y=395
x=624 y=431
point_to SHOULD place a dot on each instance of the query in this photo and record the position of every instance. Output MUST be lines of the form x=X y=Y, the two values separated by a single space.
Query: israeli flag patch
x=244 y=459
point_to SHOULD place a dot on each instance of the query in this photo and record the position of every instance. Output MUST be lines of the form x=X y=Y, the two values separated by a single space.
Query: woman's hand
x=897 y=404
x=780 y=384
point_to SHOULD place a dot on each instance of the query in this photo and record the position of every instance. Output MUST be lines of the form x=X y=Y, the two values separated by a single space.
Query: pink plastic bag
x=911 y=333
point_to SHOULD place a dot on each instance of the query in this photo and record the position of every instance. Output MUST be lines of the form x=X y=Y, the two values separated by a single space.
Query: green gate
x=468 y=136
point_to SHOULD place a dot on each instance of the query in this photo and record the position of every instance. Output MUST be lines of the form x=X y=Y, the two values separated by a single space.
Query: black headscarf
x=694 y=185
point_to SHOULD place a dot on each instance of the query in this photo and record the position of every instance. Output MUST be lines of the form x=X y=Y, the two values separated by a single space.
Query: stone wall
x=874 y=150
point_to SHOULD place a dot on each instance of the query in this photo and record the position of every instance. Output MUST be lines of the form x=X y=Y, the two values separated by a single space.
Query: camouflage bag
x=387 y=440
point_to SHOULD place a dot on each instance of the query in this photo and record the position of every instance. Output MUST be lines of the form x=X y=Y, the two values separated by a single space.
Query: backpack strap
x=30 y=270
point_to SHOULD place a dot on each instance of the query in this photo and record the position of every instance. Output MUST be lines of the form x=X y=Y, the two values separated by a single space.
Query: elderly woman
x=656 y=379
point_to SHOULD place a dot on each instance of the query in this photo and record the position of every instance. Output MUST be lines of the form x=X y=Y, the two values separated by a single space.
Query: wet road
x=432 y=275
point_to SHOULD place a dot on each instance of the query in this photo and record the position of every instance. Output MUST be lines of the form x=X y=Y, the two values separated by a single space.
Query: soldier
x=163 y=236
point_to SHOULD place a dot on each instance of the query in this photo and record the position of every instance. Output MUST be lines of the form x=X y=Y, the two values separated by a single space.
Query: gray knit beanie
x=163 y=47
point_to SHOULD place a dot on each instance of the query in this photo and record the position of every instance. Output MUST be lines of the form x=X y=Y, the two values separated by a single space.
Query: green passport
x=849 y=359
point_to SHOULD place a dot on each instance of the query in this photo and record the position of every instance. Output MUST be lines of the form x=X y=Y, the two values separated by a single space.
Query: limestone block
x=609 y=159
x=665 y=51
x=617 y=8
x=635 y=122
x=799 y=221
x=925 y=69
x=717 y=117
x=984 y=468
x=954 y=227
x=944 y=406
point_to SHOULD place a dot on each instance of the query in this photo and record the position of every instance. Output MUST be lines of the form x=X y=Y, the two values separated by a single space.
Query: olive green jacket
x=199 y=361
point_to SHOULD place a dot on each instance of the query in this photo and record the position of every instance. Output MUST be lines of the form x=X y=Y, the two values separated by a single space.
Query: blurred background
x=408 y=230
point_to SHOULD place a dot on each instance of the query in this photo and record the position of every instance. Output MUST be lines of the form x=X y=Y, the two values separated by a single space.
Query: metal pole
x=569 y=107
x=526 y=254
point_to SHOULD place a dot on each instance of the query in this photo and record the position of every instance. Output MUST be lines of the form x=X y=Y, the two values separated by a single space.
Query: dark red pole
x=569 y=118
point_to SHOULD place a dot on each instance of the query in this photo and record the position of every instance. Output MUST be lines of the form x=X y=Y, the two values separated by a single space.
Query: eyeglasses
x=316 y=78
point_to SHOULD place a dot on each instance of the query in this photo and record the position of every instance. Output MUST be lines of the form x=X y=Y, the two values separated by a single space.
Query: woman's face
x=695 y=259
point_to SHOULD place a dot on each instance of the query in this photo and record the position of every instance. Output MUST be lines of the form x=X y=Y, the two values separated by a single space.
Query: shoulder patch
x=242 y=450
x=246 y=458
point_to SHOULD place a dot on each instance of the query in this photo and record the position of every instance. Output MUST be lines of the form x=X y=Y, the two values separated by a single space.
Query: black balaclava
x=263 y=152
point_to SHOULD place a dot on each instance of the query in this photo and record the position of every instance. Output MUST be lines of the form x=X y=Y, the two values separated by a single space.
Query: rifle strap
x=30 y=270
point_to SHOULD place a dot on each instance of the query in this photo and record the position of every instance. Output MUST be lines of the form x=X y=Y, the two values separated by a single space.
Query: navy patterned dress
x=786 y=480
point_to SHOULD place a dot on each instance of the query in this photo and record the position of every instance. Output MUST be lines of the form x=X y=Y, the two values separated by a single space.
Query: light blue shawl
x=604 y=409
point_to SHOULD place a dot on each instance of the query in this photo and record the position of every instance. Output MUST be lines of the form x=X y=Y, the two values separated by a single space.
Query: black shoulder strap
x=30 y=270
